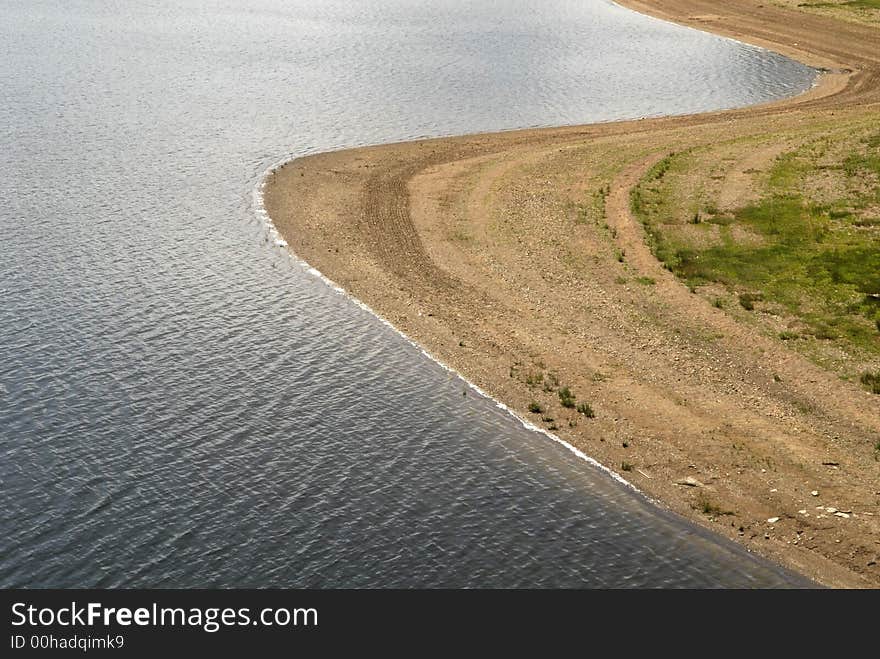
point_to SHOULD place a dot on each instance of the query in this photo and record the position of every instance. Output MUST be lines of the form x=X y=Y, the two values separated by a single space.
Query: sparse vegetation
x=708 y=507
x=535 y=407
x=566 y=397
x=586 y=410
x=647 y=281
x=871 y=381
x=550 y=383
x=626 y=466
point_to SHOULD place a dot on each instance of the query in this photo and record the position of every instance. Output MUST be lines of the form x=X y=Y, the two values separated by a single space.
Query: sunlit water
x=182 y=404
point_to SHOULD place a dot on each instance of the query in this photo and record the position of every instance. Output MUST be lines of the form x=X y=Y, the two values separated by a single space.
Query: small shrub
x=646 y=281
x=747 y=300
x=535 y=408
x=586 y=410
x=871 y=381
x=789 y=336
x=708 y=507
x=566 y=397
x=626 y=466
x=718 y=303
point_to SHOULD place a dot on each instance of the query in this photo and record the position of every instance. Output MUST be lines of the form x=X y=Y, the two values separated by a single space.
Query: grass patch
x=646 y=281
x=815 y=255
x=586 y=410
x=850 y=4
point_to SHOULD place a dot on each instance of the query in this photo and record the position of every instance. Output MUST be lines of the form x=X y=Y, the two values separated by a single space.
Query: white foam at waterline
x=260 y=210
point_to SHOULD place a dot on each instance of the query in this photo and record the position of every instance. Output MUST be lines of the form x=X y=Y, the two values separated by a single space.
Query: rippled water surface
x=182 y=404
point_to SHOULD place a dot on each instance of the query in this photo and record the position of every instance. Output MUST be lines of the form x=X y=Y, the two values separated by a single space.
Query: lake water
x=182 y=404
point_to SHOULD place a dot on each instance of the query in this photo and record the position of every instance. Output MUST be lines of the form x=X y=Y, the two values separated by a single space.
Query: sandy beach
x=516 y=259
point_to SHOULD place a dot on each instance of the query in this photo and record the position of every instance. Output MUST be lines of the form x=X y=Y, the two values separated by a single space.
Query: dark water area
x=183 y=404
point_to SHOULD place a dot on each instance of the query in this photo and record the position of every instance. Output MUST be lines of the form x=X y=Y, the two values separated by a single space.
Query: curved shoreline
x=408 y=161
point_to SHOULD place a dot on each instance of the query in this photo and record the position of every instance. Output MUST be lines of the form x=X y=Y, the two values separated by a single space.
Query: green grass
x=815 y=258
x=853 y=4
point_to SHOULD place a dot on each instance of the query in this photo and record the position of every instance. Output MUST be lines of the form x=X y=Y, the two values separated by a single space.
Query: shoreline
x=408 y=161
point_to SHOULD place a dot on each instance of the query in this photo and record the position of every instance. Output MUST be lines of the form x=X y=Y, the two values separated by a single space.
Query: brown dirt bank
x=515 y=259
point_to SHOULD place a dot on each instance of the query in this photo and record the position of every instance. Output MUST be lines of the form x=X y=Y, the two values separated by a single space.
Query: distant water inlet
x=184 y=404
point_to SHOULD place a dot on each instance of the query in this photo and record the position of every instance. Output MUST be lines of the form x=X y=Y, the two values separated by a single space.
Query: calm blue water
x=181 y=404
